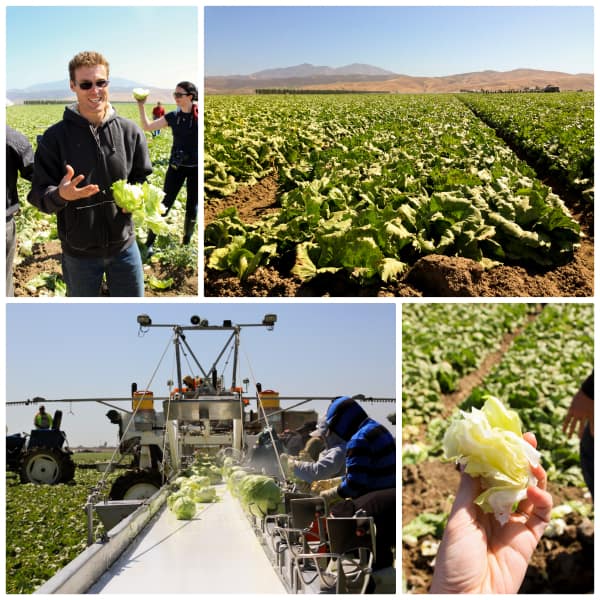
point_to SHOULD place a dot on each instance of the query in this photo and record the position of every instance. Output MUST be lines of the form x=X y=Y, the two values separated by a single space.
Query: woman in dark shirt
x=183 y=163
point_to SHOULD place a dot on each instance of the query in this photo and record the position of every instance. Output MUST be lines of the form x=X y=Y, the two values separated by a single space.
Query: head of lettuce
x=489 y=444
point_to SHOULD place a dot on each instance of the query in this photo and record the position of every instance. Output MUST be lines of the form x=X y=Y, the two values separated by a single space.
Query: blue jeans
x=124 y=274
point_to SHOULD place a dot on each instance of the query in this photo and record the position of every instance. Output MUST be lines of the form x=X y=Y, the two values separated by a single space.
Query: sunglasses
x=180 y=94
x=87 y=85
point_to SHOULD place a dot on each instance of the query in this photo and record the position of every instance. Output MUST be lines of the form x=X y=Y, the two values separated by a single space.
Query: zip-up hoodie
x=116 y=149
x=370 y=449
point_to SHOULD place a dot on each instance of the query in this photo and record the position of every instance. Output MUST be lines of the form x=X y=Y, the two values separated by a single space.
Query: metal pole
x=90 y=520
x=178 y=358
x=236 y=349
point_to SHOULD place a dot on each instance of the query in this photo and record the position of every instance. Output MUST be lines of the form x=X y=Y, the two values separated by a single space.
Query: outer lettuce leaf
x=490 y=445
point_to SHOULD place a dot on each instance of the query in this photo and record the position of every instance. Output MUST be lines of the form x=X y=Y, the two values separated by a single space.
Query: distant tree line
x=548 y=88
x=303 y=91
x=46 y=101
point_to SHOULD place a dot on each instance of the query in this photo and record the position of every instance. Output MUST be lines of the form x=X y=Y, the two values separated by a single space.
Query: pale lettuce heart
x=490 y=445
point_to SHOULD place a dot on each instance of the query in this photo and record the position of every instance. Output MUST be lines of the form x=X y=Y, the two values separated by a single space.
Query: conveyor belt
x=216 y=552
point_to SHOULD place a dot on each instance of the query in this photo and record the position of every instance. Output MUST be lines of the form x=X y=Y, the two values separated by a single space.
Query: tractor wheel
x=46 y=465
x=136 y=485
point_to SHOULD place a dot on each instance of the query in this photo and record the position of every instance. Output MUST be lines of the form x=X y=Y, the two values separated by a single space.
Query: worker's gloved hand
x=331 y=496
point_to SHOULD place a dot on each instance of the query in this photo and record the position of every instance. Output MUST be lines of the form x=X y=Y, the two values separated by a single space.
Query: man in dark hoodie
x=370 y=451
x=76 y=162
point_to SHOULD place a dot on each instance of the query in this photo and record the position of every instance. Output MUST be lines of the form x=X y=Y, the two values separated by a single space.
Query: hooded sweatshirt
x=116 y=149
x=370 y=449
x=330 y=462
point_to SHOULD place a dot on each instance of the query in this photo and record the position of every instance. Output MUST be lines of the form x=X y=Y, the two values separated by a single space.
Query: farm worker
x=42 y=419
x=370 y=451
x=477 y=554
x=76 y=162
x=157 y=112
x=183 y=161
x=19 y=160
x=330 y=463
x=580 y=420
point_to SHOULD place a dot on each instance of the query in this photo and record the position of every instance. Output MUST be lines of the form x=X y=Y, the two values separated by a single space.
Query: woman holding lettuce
x=183 y=162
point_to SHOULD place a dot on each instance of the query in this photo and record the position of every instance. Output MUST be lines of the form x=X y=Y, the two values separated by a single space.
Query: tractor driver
x=42 y=419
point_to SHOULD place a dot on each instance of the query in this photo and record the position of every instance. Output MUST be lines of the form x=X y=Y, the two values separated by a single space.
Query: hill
x=120 y=91
x=367 y=78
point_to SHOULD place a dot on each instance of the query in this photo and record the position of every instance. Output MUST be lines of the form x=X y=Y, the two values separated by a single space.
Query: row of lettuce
x=549 y=357
x=258 y=494
x=371 y=184
x=555 y=132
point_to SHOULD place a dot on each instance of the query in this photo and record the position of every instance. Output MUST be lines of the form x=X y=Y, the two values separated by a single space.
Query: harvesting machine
x=201 y=417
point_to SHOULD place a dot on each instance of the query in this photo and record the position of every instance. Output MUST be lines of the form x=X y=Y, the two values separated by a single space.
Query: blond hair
x=86 y=59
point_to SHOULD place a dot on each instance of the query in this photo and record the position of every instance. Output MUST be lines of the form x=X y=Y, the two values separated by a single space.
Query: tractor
x=43 y=456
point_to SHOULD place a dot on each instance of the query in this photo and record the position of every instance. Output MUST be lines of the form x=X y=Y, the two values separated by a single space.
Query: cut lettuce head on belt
x=489 y=444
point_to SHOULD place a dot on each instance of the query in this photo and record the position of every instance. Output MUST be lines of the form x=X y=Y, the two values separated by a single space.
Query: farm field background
x=173 y=270
x=46 y=525
x=534 y=358
x=401 y=195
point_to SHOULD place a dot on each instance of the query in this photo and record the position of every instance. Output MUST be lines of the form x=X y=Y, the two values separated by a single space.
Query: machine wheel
x=46 y=465
x=136 y=485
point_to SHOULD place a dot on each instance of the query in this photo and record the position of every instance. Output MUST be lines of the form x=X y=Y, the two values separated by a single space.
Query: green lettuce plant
x=490 y=445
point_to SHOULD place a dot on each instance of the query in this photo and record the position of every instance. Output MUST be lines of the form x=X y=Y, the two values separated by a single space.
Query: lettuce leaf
x=489 y=444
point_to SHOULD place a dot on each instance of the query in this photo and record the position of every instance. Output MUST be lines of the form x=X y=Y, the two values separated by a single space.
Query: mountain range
x=120 y=91
x=360 y=77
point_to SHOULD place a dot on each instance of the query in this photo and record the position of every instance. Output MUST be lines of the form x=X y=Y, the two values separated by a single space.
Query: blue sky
x=83 y=350
x=155 y=46
x=418 y=41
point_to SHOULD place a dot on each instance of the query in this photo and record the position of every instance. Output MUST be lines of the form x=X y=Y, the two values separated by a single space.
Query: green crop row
x=441 y=343
x=46 y=526
x=371 y=184
x=555 y=131
x=539 y=375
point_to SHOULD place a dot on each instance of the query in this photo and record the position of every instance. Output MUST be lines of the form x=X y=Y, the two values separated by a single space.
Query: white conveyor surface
x=216 y=552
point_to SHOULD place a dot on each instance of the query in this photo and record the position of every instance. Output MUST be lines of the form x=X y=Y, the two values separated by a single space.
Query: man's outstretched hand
x=68 y=190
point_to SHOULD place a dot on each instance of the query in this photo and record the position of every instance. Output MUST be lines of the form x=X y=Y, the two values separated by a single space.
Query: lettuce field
x=366 y=187
x=533 y=357
x=46 y=525
x=171 y=271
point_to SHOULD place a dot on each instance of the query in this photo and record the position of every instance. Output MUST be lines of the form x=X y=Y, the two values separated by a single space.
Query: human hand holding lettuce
x=144 y=202
x=501 y=507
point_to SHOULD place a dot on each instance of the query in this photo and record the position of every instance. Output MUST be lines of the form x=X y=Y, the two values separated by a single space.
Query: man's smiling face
x=92 y=102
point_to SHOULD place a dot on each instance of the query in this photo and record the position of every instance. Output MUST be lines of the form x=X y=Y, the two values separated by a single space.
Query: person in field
x=76 y=162
x=183 y=162
x=19 y=161
x=157 y=112
x=580 y=420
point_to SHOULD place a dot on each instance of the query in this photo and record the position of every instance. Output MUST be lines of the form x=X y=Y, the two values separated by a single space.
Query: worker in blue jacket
x=370 y=451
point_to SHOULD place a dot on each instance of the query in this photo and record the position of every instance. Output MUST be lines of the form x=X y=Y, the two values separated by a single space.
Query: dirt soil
x=431 y=276
x=560 y=565
x=46 y=259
